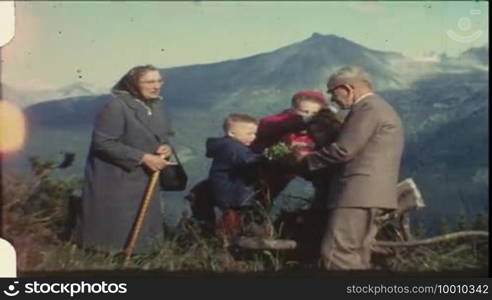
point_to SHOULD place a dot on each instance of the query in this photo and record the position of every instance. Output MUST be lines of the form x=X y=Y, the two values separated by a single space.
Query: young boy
x=232 y=177
x=289 y=127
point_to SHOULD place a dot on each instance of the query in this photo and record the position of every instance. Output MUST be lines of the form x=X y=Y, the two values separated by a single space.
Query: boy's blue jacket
x=232 y=175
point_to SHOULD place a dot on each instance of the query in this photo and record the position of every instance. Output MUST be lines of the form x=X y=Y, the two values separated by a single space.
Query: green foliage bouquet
x=283 y=158
x=277 y=152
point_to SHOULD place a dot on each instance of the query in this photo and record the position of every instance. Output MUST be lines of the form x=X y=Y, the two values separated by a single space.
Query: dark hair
x=324 y=127
x=233 y=118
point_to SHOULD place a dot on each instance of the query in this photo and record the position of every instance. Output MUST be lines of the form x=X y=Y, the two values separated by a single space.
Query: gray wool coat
x=115 y=182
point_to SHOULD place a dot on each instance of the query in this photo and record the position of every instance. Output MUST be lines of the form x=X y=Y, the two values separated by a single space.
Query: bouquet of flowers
x=277 y=152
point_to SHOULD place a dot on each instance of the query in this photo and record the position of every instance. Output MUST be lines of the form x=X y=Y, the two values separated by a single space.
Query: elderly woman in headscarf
x=129 y=142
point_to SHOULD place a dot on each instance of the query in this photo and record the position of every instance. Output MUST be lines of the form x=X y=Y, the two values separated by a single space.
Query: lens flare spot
x=12 y=127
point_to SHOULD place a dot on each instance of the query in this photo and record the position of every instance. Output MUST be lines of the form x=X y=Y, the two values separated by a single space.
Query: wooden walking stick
x=141 y=215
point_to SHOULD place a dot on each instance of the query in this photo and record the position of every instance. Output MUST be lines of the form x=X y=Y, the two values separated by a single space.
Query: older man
x=366 y=160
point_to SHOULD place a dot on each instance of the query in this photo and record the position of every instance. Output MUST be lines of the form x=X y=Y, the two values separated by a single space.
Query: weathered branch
x=457 y=250
x=434 y=240
x=271 y=244
x=268 y=244
x=383 y=251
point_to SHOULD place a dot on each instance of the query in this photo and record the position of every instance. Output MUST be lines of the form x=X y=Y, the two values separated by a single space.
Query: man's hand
x=154 y=162
x=164 y=150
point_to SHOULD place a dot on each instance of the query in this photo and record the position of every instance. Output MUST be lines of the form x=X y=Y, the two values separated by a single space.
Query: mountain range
x=443 y=104
x=25 y=97
x=477 y=55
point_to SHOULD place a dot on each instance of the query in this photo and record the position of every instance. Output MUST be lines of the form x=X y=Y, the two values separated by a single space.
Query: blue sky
x=58 y=43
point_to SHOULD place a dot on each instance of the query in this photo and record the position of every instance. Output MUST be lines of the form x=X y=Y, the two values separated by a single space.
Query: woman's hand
x=154 y=162
x=164 y=150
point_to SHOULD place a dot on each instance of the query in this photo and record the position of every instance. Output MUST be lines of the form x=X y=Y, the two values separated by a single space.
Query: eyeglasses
x=151 y=82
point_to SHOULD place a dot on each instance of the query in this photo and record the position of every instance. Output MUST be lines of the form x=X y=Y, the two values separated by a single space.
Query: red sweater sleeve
x=273 y=127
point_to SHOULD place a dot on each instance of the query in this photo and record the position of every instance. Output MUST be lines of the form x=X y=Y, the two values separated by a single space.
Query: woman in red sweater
x=289 y=127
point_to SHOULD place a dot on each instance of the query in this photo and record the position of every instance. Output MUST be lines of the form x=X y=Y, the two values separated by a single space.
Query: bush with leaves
x=35 y=210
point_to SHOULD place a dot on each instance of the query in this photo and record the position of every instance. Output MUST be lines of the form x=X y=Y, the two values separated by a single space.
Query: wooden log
x=457 y=250
x=265 y=244
x=272 y=244
x=434 y=240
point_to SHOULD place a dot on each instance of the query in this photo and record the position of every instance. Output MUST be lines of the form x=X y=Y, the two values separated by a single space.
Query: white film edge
x=7 y=22
x=8 y=261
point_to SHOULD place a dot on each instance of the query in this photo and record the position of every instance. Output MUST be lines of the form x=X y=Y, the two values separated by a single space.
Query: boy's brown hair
x=233 y=118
